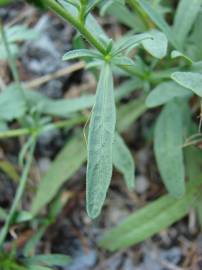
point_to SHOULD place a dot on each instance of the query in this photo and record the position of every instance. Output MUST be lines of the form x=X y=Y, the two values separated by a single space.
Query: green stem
x=12 y=63
x=54 y=6
x=58 y=9
x=14 y=133
x=140 y=12
x=18 y=196
x=26 y=131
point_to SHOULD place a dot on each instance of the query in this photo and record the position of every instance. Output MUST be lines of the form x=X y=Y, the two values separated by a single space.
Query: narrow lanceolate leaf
x=73 y=155
x=190 y=80
x=168 y=141
x=150 y=220
x=157 y=45
x=185 y=16
x=165 y=92
x=123 y=161
x=100 y=140
x=79 y=54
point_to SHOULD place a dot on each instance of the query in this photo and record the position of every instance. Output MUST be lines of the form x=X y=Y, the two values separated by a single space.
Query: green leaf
x=73 y=155
x=79 y=54
x=158 y=20
x=20 y=33
x=165 y=92
x=11 y=104
x=157 y=46
x=48 y=260
x=100 y=140
x=168 y=141
x=65 y=108
x=176 y=54
x=62 y=169
x=129 y=113
x=159 y=214
x=190 y=80
x=23 y=216
x=13 y=49
x=122 y=61
x=123 y=161
x=185 y=16
x=195 y=47
x=129 y=42
x=149 y=220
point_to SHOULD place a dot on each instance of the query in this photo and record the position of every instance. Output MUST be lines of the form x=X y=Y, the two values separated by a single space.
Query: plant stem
x=141 y=13
x=18 y=196
x=57 y=8
x=27 y=131
x=14 y=133
x=12 y=63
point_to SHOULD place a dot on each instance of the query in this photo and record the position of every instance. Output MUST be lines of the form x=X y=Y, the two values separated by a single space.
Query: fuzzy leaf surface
x=100 y=141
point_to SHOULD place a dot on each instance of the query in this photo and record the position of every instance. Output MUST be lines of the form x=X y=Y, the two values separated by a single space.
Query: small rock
x=142 y=184
x=84 y=261
x=44 y=164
